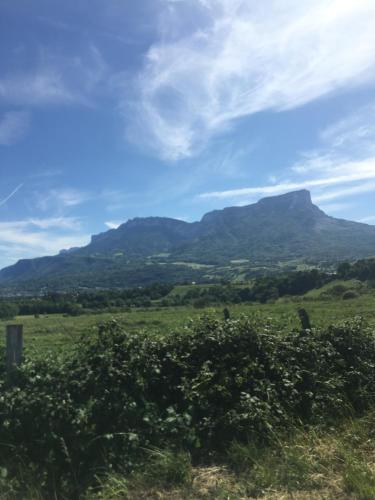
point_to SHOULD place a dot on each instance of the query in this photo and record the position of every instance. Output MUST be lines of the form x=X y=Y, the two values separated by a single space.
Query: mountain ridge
x=276 y=229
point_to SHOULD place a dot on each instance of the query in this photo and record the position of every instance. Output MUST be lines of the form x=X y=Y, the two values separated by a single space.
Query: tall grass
x=228 y=394
x=310 y=464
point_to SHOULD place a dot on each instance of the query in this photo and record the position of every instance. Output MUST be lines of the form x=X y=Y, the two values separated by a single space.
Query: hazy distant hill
x=276 y=229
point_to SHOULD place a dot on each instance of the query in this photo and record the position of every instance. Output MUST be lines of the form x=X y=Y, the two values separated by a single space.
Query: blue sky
x=116 y=109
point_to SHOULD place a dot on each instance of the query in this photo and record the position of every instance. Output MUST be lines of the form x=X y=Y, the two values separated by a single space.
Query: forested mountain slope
x=144 y=250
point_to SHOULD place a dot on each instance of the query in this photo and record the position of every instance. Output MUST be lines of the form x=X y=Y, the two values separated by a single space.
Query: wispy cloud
x=46 y=173
x=56 y=23
x=335 y=207
x=61 y=198
x=13 y=127
x=10 y=195
x=115 y=200
x=41 y=87
x=35 y=237
x=55 y=80
x=113 y=224
x=367 y=187
x=72 y=223
x=368 y=220
x=344 y=166
x=361 y=172
x=242 y=58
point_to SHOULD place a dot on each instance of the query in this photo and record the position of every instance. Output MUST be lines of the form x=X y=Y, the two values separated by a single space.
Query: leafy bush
x=8 y=310
x=363 y=270
x=338 y=290
x=198 y=390
x=350 y=294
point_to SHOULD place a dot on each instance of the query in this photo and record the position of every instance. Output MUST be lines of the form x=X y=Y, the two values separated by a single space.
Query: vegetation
x=121 y=398
x=158 y=403
x=44 y=333
x=261 y=290
x=80 y=302
x=363 y=270
x=8 y=310
x=237 y=243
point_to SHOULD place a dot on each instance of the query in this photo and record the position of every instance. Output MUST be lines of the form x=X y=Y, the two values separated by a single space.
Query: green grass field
x=319 y=461
x=58 y=331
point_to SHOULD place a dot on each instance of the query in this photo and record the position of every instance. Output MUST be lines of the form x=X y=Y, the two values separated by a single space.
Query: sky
x=117 y=109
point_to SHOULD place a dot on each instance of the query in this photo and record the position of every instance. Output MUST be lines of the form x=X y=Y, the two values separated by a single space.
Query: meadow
x=177 y=403
x=58 y=331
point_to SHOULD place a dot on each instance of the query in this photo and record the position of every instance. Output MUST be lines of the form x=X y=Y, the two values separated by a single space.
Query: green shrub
x=198 y=390
x=8 y=310
x=350 y=294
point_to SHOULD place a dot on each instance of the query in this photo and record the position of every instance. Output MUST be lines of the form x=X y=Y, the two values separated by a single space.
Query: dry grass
x=335 y=465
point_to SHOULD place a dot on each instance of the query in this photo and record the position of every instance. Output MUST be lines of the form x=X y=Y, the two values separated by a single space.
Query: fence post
x=305 y=319
x=14 y=345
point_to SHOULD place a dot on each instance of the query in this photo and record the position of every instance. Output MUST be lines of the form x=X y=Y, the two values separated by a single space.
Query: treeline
x=296 y=283
x=82 y=302
x=262 y=290
x=363 y=270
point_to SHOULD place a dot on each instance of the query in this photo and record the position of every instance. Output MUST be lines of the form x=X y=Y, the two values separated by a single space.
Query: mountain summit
x=289 y=201
x=273 y=231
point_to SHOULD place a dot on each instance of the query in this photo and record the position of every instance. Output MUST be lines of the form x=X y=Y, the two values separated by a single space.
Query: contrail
x=2 y=202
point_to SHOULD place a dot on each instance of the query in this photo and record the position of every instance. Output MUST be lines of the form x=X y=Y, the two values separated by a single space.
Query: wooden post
x=14 y=334
x=305 y=319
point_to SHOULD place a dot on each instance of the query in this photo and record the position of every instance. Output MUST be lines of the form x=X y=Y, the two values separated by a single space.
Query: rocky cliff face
x=277 y=228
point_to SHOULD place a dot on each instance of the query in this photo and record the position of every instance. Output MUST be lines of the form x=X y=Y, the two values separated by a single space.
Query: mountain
x=142 y=237
x=225 y=243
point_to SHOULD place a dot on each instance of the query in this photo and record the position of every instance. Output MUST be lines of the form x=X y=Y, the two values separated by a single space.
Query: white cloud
x=245 y=57
x=13 y=127
x=367 y=187
x=35 y=237
x=113 y=224
x=353 y=132
x=70 y=197
x=335 y=207
x=56 y=80
x=61 y=198
x=55 y=222
x=352 y=138
x=368 y=220
x=42 y=86
x=342 y=168
x=49 y=172
x=351 y=172
x=47 y=223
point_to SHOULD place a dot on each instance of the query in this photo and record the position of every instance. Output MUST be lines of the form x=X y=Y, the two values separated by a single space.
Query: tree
x=8 y=310
x=343 y=270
